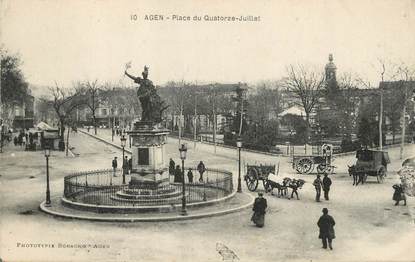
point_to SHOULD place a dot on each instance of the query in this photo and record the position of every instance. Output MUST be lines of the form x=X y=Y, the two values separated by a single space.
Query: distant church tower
x=330 y=70
x=330 y=76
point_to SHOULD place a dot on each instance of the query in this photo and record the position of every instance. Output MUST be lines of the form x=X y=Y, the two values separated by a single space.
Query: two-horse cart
x=370 y=163
x=304 y=164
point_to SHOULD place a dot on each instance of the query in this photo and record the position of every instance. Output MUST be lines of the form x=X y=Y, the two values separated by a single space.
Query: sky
x=68 y=41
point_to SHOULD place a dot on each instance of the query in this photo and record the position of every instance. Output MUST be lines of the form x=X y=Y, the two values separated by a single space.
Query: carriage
x=371 y=163
x=256 y=173
x=305 y=164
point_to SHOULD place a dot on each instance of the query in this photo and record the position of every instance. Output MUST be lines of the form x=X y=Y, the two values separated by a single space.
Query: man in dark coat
x=260 y=205
x=317 y=185
x=125 y=165
x=114 y=166
x=326 y=225
x=171 y=166
x=399 y=194
x=177 y=174
x=130 y=165
x=201 y=168
x=326 y=186
x=190 y=175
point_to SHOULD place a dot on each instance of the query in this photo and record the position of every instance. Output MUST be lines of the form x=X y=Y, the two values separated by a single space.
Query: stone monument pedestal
x=149 y=175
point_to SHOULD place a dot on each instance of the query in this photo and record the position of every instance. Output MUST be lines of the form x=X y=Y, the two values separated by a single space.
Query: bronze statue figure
x=151 y=104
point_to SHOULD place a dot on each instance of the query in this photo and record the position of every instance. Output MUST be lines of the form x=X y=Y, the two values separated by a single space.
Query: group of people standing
x=324 y=184
x=176 y=171
x=23 y=139
x=127 y=165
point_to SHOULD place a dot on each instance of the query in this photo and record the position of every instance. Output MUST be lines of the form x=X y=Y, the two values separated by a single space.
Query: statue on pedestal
x=151 y=104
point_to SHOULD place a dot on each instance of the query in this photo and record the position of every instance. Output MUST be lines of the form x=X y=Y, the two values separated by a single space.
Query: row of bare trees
x=310 y=90
x=64 y=104
x=306 y=87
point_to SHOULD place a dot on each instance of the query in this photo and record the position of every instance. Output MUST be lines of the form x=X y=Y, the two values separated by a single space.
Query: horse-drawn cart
x=256 y=173
x=305 y=164
x=370 y=163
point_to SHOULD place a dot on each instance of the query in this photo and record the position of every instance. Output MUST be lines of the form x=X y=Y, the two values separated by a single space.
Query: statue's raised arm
x=151 y=104
x=136 y=79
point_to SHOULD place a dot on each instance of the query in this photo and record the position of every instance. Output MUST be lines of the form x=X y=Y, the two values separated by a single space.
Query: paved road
x=368 y=226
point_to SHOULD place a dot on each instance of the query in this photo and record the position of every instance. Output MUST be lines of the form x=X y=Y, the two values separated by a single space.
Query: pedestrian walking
x=201 y=168
x=259 y=208
x=130 y=165
x=317 y=185
x=326 y=225
x=114 y=166
x=399 y=194
x=326 y=186
x=171 y=167
x=190 y=175
x=177 y=174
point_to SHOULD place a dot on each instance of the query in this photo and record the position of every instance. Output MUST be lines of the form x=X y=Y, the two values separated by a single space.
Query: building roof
x=294 y=110
x=44 y=126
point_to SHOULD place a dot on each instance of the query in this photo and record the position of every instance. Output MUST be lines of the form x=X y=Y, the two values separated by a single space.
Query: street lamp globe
x=47 y=151
x=239 y=142
x=183 y=151
x=123 y=140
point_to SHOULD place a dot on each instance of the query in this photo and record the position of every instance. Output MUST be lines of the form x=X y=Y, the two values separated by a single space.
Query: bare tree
x=306 y=86
x=44 y=108
x=64 y=102
x=91 y=90
x=407 y=75
x=347 y=103
x=179 y=100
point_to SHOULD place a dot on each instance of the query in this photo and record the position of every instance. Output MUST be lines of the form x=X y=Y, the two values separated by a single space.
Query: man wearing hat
x=326 y=186
x=260 y=205
x=317 y=185
x=326 y=225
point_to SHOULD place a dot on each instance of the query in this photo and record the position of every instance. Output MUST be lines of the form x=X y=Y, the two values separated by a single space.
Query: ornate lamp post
x=183 y=151
x=47 y=154
x=319 y=138
x=239 y=145
x=123 y=140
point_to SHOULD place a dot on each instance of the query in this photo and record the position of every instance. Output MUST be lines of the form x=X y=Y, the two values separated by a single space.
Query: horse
x=294 y=185
x=357 y=176
x=282 y=187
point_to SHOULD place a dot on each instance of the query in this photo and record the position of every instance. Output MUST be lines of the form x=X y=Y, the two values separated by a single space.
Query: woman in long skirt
x=260 y=205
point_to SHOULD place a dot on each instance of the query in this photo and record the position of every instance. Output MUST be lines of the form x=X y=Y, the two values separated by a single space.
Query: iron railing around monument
x=101 y=187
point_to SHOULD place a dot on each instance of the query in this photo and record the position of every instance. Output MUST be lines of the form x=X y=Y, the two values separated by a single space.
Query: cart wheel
x=251 y=183
x=381 y=174
x=252 y=179
x=321 y=168
x=298 y=168
x=305 y=166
